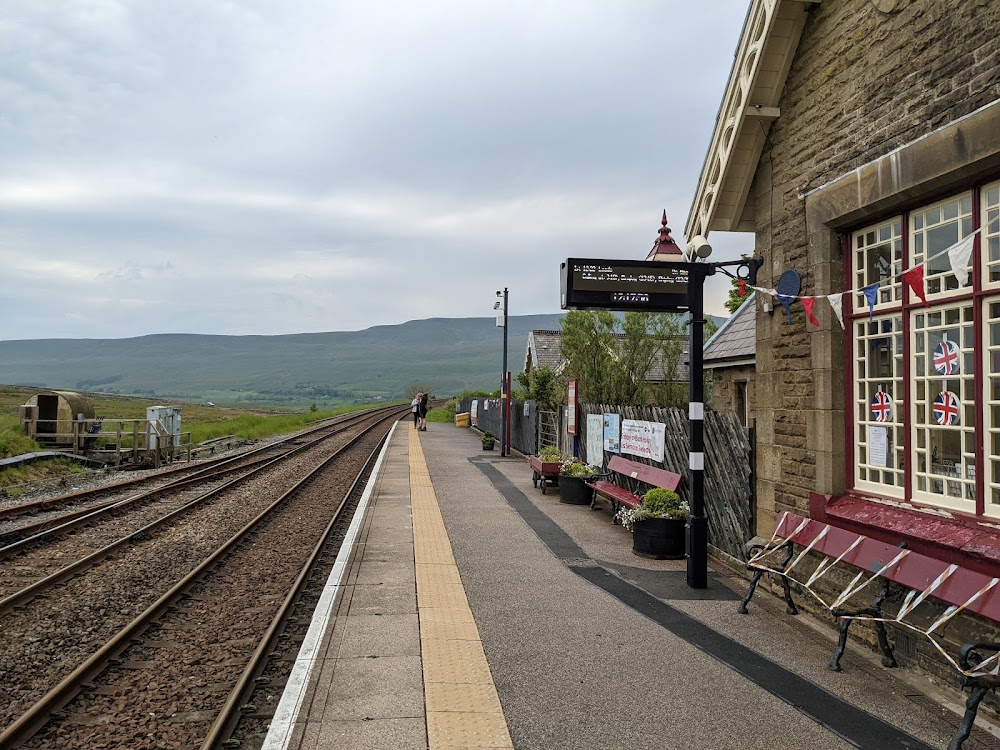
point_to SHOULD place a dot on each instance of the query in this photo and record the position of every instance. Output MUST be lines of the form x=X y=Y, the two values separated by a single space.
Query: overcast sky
x=268 y=167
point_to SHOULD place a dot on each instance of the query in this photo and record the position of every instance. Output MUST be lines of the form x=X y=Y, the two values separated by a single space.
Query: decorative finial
x=664 y=247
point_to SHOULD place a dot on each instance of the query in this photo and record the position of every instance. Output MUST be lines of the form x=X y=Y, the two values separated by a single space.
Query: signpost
x=661 y=286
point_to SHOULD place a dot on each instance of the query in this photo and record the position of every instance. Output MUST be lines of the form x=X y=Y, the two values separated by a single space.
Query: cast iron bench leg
x=845 y=623
x=742 y=609
x=791 y=609
x=875 y=610
x=971 y=709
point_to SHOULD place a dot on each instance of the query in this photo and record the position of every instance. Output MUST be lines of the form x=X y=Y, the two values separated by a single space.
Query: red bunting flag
x=807 y=303
x=742 y=288
x=915 y=279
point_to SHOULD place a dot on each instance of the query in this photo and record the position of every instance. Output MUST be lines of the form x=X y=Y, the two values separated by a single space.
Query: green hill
x=448 y=354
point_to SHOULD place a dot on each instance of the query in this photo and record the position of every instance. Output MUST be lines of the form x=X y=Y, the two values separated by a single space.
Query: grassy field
x=203 y=422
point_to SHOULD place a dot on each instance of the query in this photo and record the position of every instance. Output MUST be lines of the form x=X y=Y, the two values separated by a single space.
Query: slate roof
x=736 y=341
x=543 y=351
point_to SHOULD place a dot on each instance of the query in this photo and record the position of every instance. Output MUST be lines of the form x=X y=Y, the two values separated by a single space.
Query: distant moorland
x=449 y=355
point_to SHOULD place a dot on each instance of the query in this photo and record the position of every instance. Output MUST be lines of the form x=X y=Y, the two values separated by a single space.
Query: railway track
x=157 y=640
x=19 y=521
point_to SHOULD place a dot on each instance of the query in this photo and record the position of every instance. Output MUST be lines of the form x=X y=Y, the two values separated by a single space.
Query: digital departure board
x=644 y=285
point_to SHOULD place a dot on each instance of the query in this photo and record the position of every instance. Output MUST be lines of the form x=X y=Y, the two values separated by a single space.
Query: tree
x=413 y=389
x=543 y=385
x=612 y=357
x=588 y=343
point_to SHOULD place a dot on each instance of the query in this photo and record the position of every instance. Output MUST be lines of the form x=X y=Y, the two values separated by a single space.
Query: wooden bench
x=633 y=474
x=897 y=573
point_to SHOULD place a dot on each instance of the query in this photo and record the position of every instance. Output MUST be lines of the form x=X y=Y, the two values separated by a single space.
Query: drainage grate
x=905 y=645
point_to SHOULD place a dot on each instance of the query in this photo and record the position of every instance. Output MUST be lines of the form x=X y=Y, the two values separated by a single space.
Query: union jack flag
x=882 y=407
x=946 y=358
x=946 y=408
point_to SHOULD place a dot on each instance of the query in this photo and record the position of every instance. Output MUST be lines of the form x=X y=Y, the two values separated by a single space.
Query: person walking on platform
x=415 y=408
x=423 y=411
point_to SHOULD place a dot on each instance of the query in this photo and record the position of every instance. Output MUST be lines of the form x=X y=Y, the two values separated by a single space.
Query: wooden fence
x=728 y=466
x=728 y=455
x=523 y=421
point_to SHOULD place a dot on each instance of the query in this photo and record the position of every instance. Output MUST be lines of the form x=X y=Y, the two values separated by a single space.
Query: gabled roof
x=770 y=36
x=543 y=350
x=735 y=343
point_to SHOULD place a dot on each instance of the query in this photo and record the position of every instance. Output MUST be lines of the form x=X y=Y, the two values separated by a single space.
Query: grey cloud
x=227 y=166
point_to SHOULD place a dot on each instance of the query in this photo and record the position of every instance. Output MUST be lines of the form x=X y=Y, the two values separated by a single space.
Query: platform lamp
x=504 y=380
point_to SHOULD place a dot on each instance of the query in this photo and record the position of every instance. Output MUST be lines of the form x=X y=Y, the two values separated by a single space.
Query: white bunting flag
x=837 y=303
x=959 y=255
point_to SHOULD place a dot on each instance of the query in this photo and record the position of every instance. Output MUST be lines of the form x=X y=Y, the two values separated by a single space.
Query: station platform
x=469 y=610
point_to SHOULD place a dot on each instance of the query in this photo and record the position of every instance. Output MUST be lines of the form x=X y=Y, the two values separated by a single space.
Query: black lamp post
x=504 y=395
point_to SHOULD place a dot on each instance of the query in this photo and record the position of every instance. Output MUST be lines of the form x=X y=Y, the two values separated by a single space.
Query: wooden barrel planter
x=574 y=491
x=659 y=538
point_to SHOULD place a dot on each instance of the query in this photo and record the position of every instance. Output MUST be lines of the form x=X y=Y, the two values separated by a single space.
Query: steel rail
x=63 y=574
x=232 y=710
x=37 y=716
x=44 y=530
x=35 y=506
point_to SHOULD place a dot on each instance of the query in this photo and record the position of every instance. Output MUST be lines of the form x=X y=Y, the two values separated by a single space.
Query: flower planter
x=574 y=491
x=659 y=538
x=488 y=445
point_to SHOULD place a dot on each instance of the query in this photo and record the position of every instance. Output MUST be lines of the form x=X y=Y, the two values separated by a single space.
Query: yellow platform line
x=462 y=706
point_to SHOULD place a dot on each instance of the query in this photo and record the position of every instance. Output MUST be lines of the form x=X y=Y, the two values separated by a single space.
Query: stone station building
x=859 y=139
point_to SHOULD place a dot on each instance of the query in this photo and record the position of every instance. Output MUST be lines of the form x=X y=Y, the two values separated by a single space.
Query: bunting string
x=959 y=255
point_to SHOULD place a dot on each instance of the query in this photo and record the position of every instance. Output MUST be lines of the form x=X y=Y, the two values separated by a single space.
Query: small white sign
x=878 y=445
x=595 y=439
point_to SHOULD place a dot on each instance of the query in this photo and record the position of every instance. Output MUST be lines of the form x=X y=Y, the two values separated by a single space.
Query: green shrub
x=661 y=503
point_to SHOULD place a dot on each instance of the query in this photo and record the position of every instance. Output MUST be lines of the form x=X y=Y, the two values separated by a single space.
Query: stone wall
x=863 y=84
x=724 y=380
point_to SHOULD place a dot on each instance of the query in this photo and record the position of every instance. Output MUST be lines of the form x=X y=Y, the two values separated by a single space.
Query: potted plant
x=657 y=525
x=489 y=440
x=573 y=476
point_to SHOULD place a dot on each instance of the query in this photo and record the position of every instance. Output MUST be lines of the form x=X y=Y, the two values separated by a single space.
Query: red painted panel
x=916 y=571
x=955 y=540
x=651 y=475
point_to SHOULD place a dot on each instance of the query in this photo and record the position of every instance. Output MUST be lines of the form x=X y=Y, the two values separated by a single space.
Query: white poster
x=878 y=444
x=644 y=439
x=474 y=413
x=595 y=440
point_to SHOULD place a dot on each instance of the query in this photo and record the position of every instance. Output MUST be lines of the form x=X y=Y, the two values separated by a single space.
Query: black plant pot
x=574 y=491
x=488 y=445
x=659 y=538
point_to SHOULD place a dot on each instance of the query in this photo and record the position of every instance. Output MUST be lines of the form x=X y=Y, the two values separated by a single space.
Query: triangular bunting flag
x=959 y=255
x=786 y=302
x=807 y=303
x=915 y=279
x=871 y=294
x=837 y=303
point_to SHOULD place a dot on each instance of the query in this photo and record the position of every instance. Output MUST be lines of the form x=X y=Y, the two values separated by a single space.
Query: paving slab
x=571 y=620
